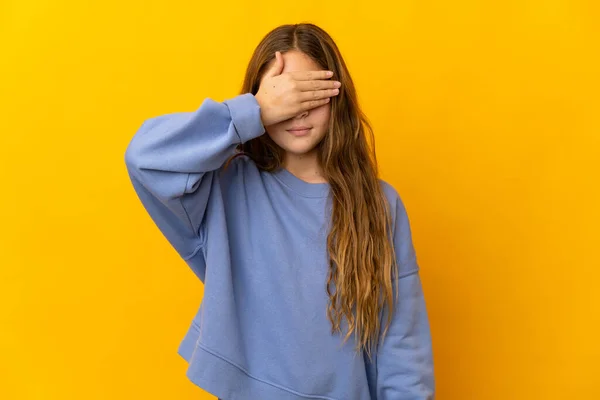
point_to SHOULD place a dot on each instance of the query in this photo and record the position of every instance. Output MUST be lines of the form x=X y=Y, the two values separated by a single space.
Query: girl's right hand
x=283 y=96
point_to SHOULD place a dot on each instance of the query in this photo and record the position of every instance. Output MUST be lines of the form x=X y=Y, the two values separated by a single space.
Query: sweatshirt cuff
x=245 y=114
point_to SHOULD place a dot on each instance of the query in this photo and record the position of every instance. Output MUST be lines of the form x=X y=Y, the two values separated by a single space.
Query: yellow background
x=487 y=123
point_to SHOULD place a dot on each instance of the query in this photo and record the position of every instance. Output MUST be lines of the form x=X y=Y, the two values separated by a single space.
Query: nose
x=301 y=115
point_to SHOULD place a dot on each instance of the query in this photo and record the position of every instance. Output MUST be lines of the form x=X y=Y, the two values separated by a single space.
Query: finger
x=318 y=94
x=311 y=75
x=277 y=66
x=309 y=105
x=306 y=86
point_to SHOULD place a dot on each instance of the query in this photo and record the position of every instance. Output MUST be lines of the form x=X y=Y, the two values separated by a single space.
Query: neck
x=305 y=167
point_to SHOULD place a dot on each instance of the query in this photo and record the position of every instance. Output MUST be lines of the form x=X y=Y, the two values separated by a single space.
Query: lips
x=299 y=131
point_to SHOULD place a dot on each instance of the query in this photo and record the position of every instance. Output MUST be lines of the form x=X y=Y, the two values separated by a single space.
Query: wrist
x=261 y=108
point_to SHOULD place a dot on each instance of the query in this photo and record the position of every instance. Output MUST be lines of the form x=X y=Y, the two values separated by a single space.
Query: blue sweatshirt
x=257 y=240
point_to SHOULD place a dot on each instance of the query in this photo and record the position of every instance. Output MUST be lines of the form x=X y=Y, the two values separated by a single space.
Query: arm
x=172 y=159
x=404 y=359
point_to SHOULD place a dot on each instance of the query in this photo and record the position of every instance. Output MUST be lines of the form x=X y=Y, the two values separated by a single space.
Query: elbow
x=132 y=156
x=134 y=152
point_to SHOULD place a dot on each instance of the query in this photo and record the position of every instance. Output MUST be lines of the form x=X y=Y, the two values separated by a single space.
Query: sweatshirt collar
x=300 y=186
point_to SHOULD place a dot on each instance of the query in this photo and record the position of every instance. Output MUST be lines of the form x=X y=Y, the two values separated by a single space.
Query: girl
x=273 y=199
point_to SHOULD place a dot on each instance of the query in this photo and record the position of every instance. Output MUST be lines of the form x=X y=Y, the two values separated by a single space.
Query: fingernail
x=330 y=73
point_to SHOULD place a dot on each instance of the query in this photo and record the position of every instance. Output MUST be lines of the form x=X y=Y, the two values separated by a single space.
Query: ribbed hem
x=221 y=378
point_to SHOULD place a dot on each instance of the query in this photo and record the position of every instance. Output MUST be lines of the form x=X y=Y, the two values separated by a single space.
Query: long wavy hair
x=362 y=259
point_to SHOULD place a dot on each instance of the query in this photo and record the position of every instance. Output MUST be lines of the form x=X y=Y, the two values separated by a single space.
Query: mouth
x=299 y=131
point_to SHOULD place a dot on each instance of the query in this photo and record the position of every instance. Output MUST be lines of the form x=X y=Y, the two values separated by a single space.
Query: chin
x=297 y=150
x=296 y=146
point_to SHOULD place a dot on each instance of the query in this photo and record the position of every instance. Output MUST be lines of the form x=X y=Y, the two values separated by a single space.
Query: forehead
x=295 y=60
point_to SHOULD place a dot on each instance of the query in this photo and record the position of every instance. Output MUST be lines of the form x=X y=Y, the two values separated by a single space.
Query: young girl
x=273 y=199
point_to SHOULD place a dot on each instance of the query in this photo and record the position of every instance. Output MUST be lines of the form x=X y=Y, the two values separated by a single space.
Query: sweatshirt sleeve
x=404 y=358
x=172 y=159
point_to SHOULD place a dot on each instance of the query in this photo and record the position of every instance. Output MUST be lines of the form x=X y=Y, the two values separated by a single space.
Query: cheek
x=275 y=129
x=321 y=115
